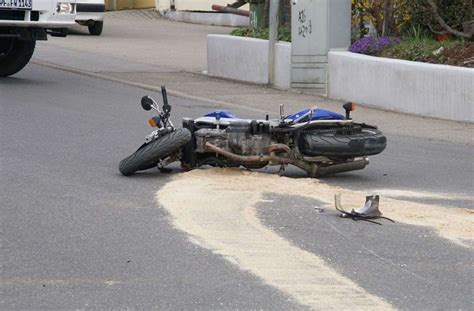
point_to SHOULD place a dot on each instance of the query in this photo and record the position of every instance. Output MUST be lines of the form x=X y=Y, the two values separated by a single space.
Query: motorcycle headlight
x=65 y=8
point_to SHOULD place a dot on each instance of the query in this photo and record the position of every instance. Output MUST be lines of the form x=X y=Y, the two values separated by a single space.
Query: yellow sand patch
x=216 y=207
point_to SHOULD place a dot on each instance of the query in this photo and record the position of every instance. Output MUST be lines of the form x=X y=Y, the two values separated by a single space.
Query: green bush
x=419 y=49
x=454 y=13
x=396 y=17
x=284 y=33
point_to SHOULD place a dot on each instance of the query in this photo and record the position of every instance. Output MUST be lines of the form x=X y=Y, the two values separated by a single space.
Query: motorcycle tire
x=149 y=155
x=368 y=141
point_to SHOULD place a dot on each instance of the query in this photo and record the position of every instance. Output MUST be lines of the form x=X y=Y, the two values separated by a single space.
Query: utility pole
x=272 y=38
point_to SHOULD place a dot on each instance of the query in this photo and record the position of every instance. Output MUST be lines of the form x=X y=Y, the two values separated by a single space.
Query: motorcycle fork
x=188 y=154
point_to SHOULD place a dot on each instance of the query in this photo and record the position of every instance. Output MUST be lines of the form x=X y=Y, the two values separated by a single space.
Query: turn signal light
x=353 y=106
x=348 y=107
x=152 y=122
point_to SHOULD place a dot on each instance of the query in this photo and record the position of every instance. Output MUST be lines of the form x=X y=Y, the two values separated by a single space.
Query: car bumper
x=90 y=8
x=87 y=16
x=42 y=15
x=39 y=24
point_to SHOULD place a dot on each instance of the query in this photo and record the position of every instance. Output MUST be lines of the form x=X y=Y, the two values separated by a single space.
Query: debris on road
x=318 y=209
x=368 y=212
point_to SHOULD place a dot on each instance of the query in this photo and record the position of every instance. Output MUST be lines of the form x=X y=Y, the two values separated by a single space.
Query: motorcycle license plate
x=16 y=4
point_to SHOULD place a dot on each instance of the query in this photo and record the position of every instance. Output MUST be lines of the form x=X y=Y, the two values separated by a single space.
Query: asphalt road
x=76 y=234
x=407 y=265
x=430 y=157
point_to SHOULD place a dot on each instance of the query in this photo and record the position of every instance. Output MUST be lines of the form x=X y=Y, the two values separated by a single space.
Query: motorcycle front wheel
x=148 y=156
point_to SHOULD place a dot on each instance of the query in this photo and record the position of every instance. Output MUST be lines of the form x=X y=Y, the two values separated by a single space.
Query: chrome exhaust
x=312 y=168
x=342 y=167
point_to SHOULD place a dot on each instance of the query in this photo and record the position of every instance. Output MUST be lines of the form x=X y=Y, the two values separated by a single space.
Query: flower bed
x=421 y=49
x=373 y=45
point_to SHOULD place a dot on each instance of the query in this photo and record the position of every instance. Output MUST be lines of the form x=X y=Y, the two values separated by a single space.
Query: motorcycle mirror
x=146 y=102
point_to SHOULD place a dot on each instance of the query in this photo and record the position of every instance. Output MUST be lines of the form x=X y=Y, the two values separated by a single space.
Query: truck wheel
x=14 y=55
x=96 y=28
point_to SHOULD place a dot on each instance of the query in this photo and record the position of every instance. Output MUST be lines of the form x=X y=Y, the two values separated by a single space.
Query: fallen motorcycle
x=317 y=141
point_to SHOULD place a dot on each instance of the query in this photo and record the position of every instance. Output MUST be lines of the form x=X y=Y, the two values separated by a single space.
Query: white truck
x=22 y=22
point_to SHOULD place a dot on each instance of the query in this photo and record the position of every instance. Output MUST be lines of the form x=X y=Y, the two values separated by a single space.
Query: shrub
x=454 y=13
x=284 y=33
x=421 y=49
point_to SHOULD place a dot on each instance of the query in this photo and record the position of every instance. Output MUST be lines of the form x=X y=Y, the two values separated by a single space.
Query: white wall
x=440 y=91
x=193 y=5
x=246 y=59
x=162 y=5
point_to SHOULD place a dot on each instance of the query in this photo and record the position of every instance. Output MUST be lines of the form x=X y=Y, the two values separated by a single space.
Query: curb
x=148 y=87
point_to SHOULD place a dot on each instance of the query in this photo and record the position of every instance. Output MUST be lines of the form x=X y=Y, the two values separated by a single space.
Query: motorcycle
x=318 y=141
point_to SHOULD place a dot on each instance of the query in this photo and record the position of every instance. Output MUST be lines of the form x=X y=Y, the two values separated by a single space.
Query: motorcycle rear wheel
x=148 y=156
x=368 y=141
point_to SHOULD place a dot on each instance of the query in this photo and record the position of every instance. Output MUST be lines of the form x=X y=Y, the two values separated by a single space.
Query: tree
x=391 y=17
x=444 y=25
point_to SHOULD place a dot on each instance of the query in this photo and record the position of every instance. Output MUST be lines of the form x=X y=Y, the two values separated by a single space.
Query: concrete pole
x=272 y=38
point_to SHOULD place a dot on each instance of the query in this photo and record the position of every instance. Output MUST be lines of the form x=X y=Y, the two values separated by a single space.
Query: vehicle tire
x=14 y=55
x=367 y=141
x=96 y=28
x=149 y=155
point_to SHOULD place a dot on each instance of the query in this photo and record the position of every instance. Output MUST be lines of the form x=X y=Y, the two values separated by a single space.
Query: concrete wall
x=439 y=91
x=208 y=18
x=193 y=5
x=246 y=59
x=143 y=4
x=129 y=4
x=201 y=5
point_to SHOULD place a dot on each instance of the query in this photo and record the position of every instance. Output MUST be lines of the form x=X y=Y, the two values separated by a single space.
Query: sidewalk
x=141 y=47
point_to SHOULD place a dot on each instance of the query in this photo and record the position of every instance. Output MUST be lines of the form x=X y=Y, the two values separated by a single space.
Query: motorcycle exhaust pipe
x=313 y=170
x=342 y=168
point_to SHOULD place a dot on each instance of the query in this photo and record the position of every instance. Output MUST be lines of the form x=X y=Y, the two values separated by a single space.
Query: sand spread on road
x=216 y=207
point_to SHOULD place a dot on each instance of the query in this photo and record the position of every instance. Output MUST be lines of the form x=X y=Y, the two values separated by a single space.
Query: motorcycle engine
x=239 y=137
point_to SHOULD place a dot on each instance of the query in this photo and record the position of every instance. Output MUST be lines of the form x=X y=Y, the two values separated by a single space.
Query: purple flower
x=372 y=45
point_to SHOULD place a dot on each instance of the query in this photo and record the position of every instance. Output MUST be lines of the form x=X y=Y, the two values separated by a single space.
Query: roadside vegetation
x=450 y=52
x=284 y=33
x=432 y=31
